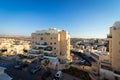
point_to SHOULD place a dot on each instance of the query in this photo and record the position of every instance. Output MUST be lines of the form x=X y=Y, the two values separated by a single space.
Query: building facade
x=114 y=48
x=51 y=42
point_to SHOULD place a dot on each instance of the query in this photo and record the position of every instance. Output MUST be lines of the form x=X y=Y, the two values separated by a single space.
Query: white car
x=82 y=61
x=58 y=75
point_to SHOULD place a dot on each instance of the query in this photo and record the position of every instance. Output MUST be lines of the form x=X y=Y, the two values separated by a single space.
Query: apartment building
x=114 y=48
x=51 y=42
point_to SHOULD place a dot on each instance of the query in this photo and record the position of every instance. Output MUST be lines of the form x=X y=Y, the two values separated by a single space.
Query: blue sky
x=82 y=18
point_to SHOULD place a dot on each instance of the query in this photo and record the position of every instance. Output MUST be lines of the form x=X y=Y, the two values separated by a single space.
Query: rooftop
x=116 y=25
x=50 y=30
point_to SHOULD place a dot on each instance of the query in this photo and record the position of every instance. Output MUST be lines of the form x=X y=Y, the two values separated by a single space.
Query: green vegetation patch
x=1 y=53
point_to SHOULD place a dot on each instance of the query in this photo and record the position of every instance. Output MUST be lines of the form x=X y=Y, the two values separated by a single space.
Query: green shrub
x=1 y=53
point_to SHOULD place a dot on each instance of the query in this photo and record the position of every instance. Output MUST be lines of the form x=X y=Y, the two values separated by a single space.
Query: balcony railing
x=42 y=44
x=117 y=72
x=109 y=36
x=47 y=51
x=51 y=55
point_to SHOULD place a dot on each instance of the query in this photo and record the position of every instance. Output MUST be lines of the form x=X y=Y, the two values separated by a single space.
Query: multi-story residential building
x=114 y=48
x=52 y=42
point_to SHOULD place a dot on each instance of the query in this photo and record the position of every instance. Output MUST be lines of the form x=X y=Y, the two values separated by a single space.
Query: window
x=41 y=38
x=40 y=47
x=50 y=43
x=119 y=42
x=54 y=42
x=114 y=28
x=119 y=51
x=60 y=53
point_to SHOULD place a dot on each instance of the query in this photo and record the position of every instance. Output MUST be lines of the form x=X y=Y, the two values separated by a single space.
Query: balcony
x=41 y=44
x=47 y=51
x=34 y=49
x=117 y=73
x=109 y=36
x=50 y=55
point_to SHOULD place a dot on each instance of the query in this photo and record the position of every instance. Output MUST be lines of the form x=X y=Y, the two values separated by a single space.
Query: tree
x=25 y=51
x=1 y=53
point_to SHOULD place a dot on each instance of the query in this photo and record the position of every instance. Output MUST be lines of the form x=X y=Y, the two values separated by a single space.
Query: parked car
x=20 y=65
x=46 y=75
x=58 y=75
x=35 y=69
x=82 y=61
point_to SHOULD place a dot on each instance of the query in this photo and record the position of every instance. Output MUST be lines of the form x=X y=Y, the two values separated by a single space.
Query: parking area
x=20 y=74
x=25 y=73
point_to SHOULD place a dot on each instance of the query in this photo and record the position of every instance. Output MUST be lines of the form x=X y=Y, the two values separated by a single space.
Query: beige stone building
x=114 y=48
x=51 y=42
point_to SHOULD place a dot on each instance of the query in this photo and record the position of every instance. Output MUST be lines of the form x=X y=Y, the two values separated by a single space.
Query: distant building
x=101 y=48
x=51 y=42
x=101 y=42
x=14 y=45
x=114 y=48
